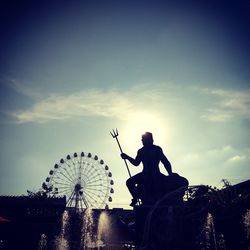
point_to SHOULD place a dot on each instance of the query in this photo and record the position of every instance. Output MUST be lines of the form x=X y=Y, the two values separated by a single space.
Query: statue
x=150 y=185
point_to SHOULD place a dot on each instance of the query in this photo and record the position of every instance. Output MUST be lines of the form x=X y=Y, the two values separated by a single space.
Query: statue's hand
x=124 y=156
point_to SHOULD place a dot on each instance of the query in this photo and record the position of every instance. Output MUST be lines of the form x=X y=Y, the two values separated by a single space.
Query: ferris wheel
x=83 y=178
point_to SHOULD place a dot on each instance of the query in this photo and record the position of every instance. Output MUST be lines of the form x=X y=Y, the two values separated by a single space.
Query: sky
x=71 y=71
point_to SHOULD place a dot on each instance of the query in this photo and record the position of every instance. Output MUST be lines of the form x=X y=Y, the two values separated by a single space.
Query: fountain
x=209 y=230
x=42 y=245
x=246 y=222
x=88 y=240
x=85 y=230
x=61 y=242
x=221 y=242
x=103 y=229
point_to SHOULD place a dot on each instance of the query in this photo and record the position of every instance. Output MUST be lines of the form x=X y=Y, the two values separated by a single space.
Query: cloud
x=215 y=105
x=20 y=87
x=228 y=105
x=237 y=158
x=216 y=163
x=217 y=115
x=92 y=102
x=221 y=156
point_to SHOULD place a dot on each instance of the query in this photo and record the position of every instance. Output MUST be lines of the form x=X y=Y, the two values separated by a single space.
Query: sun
x=140 y=122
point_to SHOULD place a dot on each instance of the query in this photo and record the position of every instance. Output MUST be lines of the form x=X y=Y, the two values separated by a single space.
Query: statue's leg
x=133 y=183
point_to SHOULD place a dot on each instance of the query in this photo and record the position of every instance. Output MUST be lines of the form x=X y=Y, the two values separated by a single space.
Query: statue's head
x=147 y=139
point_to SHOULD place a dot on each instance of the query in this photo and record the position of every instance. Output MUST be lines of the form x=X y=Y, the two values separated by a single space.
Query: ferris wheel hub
x=78 y=187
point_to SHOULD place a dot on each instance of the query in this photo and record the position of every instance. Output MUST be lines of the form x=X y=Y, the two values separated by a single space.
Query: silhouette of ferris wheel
x=83 y=178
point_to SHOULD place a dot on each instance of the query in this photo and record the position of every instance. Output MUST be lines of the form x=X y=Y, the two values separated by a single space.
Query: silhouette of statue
x=144 y=185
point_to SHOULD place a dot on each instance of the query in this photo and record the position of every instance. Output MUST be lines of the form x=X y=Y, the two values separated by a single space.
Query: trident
x=115 y=135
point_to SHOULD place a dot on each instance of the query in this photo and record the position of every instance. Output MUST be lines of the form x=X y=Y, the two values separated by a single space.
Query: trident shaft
x=115 y=134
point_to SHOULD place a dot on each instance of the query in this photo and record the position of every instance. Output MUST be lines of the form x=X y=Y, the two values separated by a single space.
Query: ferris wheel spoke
x=73 y=200
x=70 y=189
x=87 y=169
x=99 y=194
x=72 y=181
x=71 y=177
x=89 y=177
x=93 y=201
x=60 y=192
x=63 y=185
x=65 y=189
x=74 y=170
x=97 y=185
x=66 y=184
x=93 y=181
x=88 y=198
x=102 y=174
x=104 y=195
x=69 y=203
x=94 y=189
x=82 y=163
x=70 y=199
x=92 y=185
x=64 y=192
x=93 y=170
x=89 y=191
x=71 y=169
x=71 y=195
x=101 y=189
x=93 y=194
x=63 y=179
x=80 y=203
x=79 y=162
x=84 y=202
x=68 y=170
x=60 y=183
x=90 y=170
x=87 y=201
x=95 y=175
x=89 y=194
x=85 y=177
x=63 y=169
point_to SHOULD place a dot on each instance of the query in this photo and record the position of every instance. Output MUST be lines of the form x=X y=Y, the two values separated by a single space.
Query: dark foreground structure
x=25 y=220
x=206 y=219
x=45 y=223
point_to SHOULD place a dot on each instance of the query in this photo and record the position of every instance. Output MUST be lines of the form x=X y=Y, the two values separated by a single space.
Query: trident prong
x=115 y=134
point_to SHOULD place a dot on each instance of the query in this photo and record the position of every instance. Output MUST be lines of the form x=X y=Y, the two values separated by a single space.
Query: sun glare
x=140 y=122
